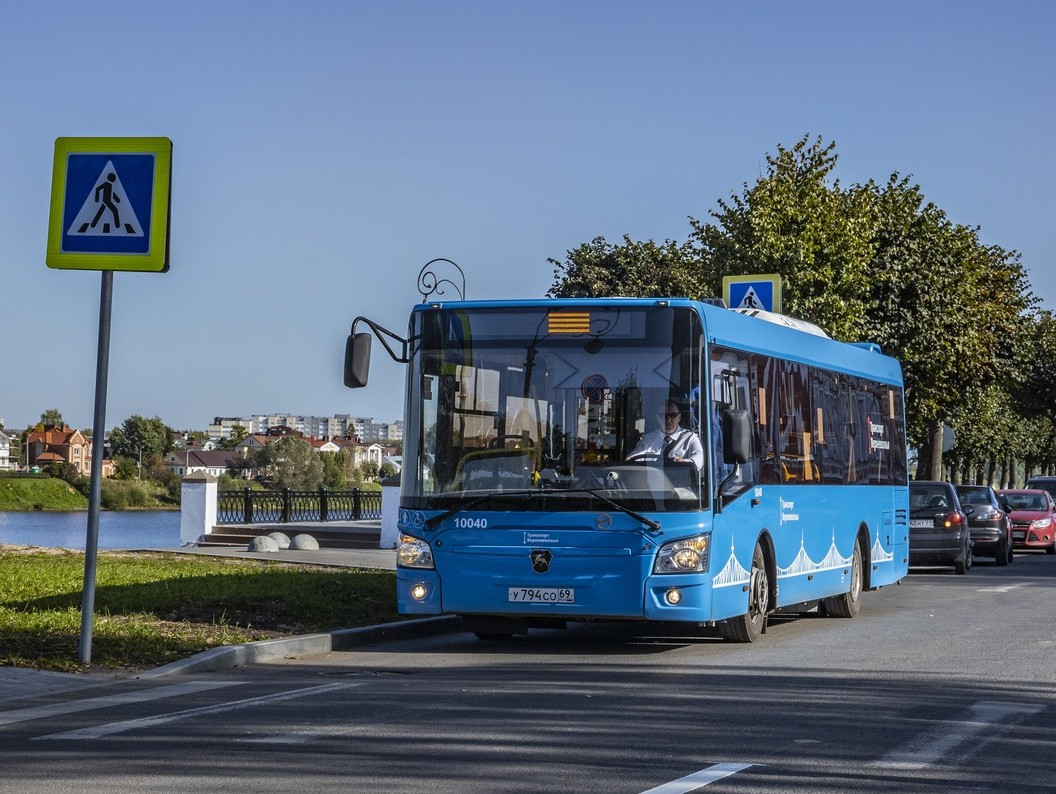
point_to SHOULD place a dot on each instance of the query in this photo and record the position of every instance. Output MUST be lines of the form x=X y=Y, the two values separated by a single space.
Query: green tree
x=51 y=417
x=817 y=236
x=950 y=309
x=1033 y=396
x=335 y=464
x=126 y=468
x=369 y=470
x=634 y=269
x=141 y=439
x=238 y=435
x=293 y=463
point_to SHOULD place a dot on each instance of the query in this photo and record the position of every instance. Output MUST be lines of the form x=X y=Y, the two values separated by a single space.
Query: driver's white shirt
x=686 y=446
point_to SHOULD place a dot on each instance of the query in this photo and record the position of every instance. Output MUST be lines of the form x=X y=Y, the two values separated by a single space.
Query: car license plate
x=921 y=523
x=542 y=595
x=1019 y=535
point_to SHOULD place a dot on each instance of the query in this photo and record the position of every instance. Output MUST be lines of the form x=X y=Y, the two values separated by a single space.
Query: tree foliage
x=140 y=437
x=874 y=262
x=818 y=237
x=52 y=417
x=634 y=269
x=291 y=462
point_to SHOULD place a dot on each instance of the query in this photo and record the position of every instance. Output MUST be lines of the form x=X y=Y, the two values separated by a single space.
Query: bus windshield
x=540 y=408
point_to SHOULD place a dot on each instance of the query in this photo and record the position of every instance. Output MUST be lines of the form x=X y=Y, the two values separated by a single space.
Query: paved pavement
x=18 y=683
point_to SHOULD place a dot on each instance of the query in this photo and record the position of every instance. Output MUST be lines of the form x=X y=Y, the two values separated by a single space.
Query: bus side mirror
x=736 y=436
x=357 y=360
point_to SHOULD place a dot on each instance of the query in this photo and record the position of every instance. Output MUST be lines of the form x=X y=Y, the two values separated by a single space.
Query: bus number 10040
x=471 y=523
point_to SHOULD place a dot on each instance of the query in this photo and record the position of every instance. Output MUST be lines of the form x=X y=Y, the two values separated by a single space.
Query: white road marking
x=88 y=704
x=931 y=746
x=697 y=779
x=161 y=719
x=1007 y=588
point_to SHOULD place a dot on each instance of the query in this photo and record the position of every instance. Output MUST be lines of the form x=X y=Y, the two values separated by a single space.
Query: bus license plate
x=542 y=595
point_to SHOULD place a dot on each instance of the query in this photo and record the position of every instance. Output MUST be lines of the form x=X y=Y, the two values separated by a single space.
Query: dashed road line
x=88 y=704
x=698 y=779
x=109 y=729
x=1005 y=589
x=930 y=747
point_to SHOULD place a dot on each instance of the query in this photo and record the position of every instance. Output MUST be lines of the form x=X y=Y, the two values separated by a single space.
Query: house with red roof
x=63 y=444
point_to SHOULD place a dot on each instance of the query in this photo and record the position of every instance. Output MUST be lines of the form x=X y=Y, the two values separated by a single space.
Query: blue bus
x=641 y=460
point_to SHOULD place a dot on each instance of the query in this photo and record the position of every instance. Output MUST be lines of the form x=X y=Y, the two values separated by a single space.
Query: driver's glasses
x=674 y=415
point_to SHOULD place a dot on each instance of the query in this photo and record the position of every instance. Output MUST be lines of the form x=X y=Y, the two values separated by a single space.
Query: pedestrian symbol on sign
x=104 y=207
x=750 y=300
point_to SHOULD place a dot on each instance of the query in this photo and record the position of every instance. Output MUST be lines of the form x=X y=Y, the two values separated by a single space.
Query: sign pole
x=91 y=543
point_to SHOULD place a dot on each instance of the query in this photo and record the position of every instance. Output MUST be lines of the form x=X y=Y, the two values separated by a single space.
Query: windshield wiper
x=653 y=525
x=435 y=521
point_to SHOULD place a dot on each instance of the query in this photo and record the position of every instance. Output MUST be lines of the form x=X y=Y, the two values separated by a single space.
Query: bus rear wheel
x=750 y=626
x=850 y=603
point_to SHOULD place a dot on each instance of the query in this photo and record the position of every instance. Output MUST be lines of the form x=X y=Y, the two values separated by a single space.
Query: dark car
x=1033 y=517
x=1043 y=483
x=990 y=526
x=938 y=528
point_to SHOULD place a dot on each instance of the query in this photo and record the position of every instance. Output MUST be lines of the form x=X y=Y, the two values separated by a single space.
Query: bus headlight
x=683 y=556
x=414 y=553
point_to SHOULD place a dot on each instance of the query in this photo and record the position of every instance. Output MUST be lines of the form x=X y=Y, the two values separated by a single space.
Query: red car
x=1033 y=517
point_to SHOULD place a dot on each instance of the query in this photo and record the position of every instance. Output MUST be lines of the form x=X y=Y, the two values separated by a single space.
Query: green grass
x=155 y=608
x=39 y=493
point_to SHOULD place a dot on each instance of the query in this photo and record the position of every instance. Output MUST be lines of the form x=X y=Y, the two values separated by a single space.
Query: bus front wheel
x=848 y=604
x=750 y=626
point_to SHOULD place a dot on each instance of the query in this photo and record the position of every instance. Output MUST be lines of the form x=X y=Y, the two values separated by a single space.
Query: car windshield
x=973 y=496
x=1025 y=501
x=928 y=496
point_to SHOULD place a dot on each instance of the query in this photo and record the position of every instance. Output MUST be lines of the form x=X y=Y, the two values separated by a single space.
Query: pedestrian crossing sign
x=760 y=292
x=110 y=204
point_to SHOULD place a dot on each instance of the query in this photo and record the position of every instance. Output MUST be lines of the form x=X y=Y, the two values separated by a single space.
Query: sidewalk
x=378 y=559
x=19 y=683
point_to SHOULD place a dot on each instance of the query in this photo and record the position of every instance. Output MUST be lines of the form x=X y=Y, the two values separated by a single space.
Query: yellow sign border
x=157 y=260
x=772 y=278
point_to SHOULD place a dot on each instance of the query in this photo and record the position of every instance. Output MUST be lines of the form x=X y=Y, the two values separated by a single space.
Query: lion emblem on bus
x=541 y=560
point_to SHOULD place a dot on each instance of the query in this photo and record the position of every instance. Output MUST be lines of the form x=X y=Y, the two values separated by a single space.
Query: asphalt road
x=943 y=684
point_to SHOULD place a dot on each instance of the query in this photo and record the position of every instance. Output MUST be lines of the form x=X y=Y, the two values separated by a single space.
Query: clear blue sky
x=324 y=151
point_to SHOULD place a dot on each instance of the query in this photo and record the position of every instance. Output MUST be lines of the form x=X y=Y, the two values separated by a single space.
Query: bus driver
x=670 y=441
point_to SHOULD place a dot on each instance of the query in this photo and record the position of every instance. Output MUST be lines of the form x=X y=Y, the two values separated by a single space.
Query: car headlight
x=414 y=553
x=1041 y=523
x=683 y=556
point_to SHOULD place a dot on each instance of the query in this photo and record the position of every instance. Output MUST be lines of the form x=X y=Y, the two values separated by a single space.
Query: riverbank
x=43 y=493
x=20 y=494
x=153 y=608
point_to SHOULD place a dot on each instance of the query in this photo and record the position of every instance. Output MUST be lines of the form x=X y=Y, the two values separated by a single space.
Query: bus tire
x=848 y=604
x=750 y=626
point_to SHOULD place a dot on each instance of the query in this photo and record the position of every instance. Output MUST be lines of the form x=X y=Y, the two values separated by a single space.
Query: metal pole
x=91 y=543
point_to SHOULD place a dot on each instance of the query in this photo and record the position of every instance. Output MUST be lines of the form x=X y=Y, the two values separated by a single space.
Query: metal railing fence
x=286 y=506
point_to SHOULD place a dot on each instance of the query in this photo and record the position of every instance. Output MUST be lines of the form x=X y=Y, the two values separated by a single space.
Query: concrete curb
x=305 y=645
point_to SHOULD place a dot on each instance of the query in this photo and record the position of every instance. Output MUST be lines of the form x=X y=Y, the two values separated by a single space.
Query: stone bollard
x=197 y=507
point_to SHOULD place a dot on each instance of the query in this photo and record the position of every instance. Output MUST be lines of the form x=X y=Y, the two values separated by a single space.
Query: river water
x=123 y=529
